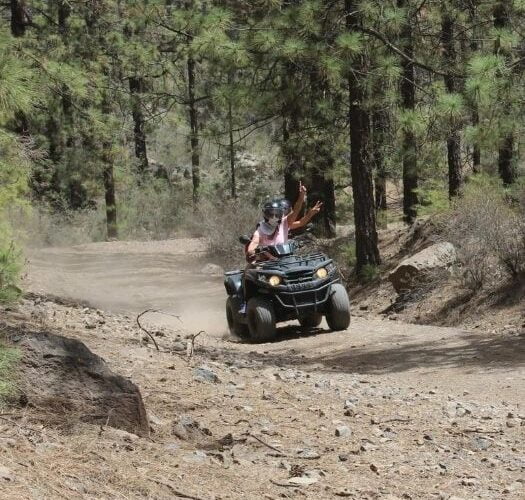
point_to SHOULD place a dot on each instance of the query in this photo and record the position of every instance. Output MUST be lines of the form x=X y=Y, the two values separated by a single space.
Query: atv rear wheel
x=338 y=308
x=232 y=311
x=310 y=320
x=261 y=319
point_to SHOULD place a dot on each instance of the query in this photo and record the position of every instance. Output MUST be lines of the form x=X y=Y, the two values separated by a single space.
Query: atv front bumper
x=312 y=295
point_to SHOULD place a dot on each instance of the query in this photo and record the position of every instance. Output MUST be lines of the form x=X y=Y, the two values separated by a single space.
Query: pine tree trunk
x=506 y=167
x=474 y=114
x=408 y=99
x=291 y=119
x=366 y=241
x=322 y=188
x=109 y=179
x=64 y=11
x=380 y=121
x=455 y=177
x=232 y=152
x=322 y=161
x=137 y=87
x=20 y=18
x=194 y=132
x=474 y=117
x=111 y=205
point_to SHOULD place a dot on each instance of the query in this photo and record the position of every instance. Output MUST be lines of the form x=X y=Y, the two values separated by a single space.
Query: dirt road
x=129 y=277
x=383 y=410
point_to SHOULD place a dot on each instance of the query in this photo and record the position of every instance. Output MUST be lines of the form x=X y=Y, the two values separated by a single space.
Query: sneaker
x=242 y=309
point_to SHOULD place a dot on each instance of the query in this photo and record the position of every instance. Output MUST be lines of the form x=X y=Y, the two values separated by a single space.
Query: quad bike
x=288 y=287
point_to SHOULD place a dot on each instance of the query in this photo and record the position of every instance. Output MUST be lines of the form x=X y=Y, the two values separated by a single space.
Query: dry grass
x=489 y=235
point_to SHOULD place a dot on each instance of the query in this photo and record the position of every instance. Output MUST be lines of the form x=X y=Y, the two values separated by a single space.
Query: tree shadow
x=469 y=351
x=475 y=351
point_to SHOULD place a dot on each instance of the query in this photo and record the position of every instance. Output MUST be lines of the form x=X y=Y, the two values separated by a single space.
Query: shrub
x=488 y=232
x=10 y=268
x=369 y=273
x=223 y=224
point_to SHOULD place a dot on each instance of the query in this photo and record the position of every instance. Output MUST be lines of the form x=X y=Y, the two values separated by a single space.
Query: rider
x=273 y=229
x=278 y=220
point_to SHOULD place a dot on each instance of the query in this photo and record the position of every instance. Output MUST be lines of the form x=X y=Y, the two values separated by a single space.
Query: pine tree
x=455 y=177
x=366 y=240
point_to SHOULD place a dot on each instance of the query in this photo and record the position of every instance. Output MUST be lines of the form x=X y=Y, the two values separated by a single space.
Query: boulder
x=418 y=268
x=62 y=377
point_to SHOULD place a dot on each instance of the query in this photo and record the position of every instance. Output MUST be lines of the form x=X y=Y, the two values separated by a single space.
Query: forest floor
x=386 y=409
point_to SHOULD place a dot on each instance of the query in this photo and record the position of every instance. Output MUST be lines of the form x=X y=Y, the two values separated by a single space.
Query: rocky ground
x=231 y=420
x=385 y=410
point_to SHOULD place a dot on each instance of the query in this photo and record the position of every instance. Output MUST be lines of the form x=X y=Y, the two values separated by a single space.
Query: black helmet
x=273 y=208
x=287 y=206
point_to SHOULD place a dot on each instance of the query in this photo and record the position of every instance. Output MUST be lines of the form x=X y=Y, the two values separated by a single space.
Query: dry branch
x=266 y=444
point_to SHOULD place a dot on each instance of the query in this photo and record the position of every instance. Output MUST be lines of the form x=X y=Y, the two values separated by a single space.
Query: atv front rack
x=302 y=295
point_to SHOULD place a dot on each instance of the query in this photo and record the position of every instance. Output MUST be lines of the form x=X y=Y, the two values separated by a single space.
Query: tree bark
x=474 y=116
x=64 y=11
x=455 y=175
x=109 y=178
x=137 y=86
x=111 y=205
x=20 y=18
x=408 y=100
x=194 y=131
x=322 y=159
x=506 y=166
x=232 y=152
x=380 y=121
x=366 y=241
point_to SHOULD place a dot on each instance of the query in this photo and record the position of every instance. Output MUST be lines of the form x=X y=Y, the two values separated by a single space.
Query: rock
x=198 y=456
x=481 y=443
x=179 y=346
x=188 y=429
x=302 y=481
x=342 y=431
x=172 y=447
x=350 y=404
x=367 y=446
x=417 y=269
x=90 y=323
x=308 y=454
x=6 y=474
x=205 y=374
x=469 y=481
x=344 y=492
x=212 y=270
x=72 y=383
x=516 y=486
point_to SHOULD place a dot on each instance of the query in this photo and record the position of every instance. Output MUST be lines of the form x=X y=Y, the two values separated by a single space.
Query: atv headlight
x=321 y=273
x=274 y=280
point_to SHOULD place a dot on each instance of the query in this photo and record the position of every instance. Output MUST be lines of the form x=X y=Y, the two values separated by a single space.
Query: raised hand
x=316 y=208
x=302 y=189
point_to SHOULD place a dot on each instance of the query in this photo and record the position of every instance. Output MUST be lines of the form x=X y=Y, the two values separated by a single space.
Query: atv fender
x=233 y=282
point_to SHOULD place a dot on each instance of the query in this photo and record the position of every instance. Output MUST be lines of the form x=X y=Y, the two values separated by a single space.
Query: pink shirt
x=278 y=237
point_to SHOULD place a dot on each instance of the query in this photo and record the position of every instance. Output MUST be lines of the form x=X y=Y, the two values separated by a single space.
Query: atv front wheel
x=338 y=310
x=310 y=320
x=261 y=319
x=232 y=310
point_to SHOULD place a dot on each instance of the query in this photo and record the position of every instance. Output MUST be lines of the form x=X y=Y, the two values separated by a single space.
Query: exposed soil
x=384 y=410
